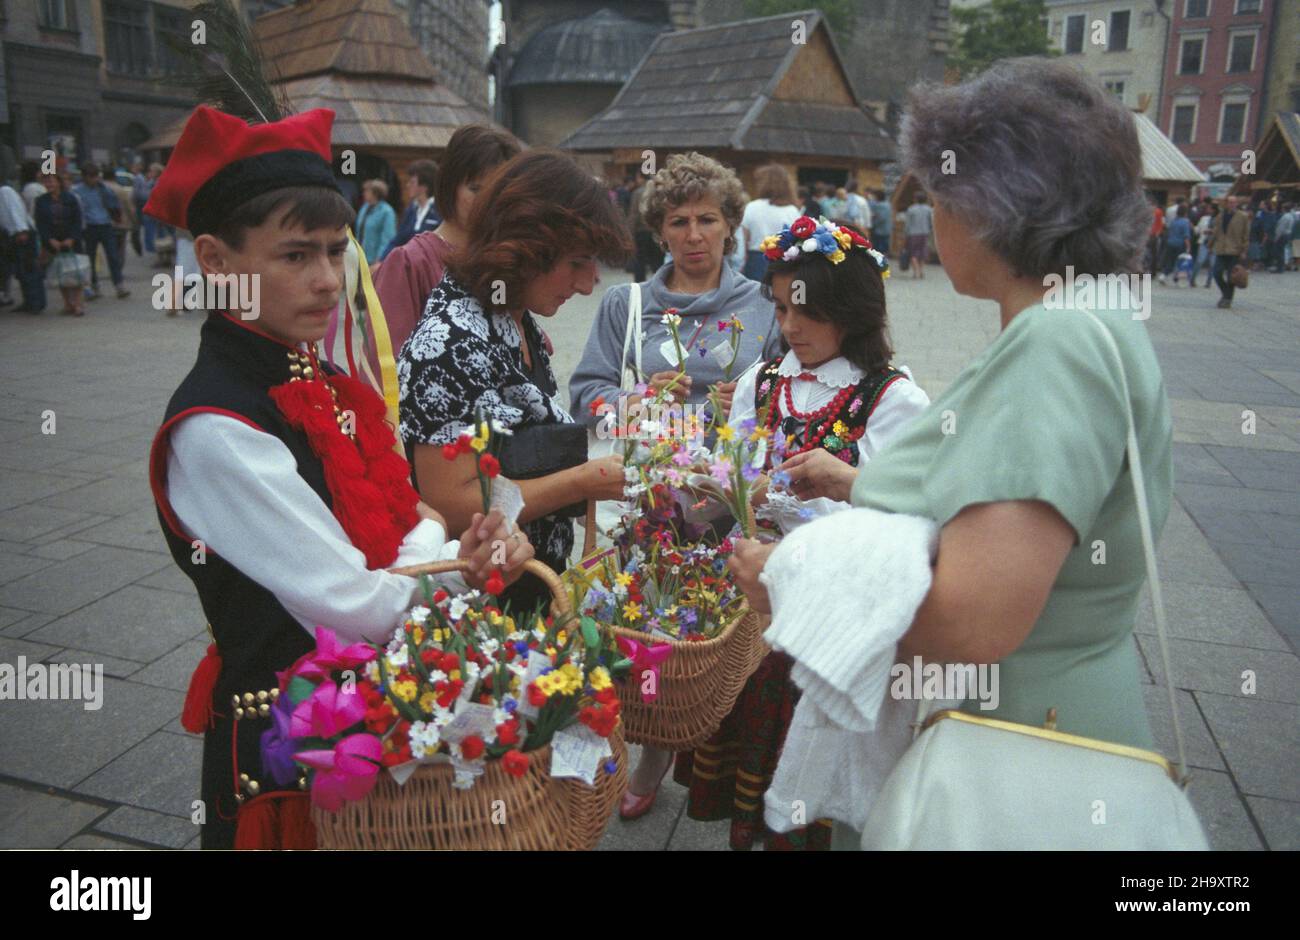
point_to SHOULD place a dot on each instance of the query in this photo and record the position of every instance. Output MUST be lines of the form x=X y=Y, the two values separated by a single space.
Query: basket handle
x=589 y=529
x=560 y=602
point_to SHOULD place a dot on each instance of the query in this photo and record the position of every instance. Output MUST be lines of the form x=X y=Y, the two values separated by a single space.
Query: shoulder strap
x=632 y=334
x=1148 y=545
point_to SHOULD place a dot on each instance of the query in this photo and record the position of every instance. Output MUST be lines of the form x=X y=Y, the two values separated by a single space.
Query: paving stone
x=1259 y=740
x=69 y=743
x=1234 y=497
x=31 y=819
x=111 y=496
x=1193 y=464
x=193 y=845
x=18 y=488
x=1230 y=525
x=692 y=835
x=117 y=668
x=99 y=843
x=24 y=523
x=1282 y=605
x=62 y=549
x=136 y=529
x=1214 y=667
x=1201 y=749
x=1279 y=820
x=97 y=463
x=134 y=623
x=1283 y=531
x=29 y=624
x=68 y=585
x=11 y=649
x=1211 y=614
x=173 y=671
x=145 y=825
x=1260 y=469
x=13 y=567
x=1222 y=813
x=10 y=615
x=34 y=454
x=161 y=773
x=1262 y=564
x=170 y=578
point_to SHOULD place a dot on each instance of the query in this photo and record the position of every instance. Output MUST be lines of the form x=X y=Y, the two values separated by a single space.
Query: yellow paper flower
x=770 y=242
x=427 y=701
x=836 y=257
x=478 y=444
x=417 y=635
x=726 y=432
x=843 y=237
x=632 y=611
x=561 y=637
x=760 y=433
x=623 y=579
x=405 y=690
x=599 y=678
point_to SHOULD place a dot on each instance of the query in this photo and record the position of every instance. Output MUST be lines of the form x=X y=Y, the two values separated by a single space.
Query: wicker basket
x=698 y=684
x=500 y=811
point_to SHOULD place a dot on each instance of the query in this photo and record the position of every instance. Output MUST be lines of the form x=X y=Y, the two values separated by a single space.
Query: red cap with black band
x=221 y=162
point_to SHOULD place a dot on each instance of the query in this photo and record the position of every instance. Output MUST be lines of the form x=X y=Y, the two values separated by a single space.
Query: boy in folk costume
x=277 y=484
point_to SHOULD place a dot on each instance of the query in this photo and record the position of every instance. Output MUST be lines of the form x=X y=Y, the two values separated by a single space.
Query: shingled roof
x=1161 y=159
x=602 y=48
x=739 y=86
x=352 y=37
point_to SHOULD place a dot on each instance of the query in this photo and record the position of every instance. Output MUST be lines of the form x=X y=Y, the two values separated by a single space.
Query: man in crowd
x=1229 y=238
x=20 y=249
x=421 y=215
x=100 y=210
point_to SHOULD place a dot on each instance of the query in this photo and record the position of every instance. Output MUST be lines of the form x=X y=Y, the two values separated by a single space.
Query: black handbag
x=538 y=450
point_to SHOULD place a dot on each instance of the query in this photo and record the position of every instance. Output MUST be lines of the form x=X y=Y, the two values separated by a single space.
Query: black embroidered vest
x=852 y=415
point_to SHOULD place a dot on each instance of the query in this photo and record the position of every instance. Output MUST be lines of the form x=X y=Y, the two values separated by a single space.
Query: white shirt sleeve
x=238 y=490
x=902 y=402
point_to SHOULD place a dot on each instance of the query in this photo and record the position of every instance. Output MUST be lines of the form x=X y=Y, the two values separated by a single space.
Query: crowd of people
x=57 y=225
x=1216 y=237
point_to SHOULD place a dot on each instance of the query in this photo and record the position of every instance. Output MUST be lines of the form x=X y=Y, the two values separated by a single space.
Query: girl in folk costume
x=831 y=402
x=277 y=483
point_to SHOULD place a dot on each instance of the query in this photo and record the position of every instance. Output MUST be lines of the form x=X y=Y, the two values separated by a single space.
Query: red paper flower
x=515 y=763
x=449 y=662
x=490 y=466
x=596 y=405
x=495 y=583
x=803 y=227
x=464 y=443
x=472 y=747
x=536 y=697
x=508 y=733
x=858 y=239
x=774 y=253
x=450 y=451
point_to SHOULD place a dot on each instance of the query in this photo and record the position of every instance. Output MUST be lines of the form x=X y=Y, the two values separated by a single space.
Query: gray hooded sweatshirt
x=597 y=375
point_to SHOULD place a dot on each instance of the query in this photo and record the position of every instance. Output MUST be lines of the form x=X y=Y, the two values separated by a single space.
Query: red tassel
x=279 y=820
x=196 y=717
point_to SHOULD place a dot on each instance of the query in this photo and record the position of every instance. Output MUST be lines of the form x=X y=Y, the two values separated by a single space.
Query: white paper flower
x=809 y=244
x=458 y=607
x=791 y=253
x=419 y=615
x=671 y=319
x=463 y=780
x=424 y=739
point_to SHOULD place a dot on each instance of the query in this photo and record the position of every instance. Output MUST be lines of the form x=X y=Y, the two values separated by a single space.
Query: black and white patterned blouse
x=461 y=359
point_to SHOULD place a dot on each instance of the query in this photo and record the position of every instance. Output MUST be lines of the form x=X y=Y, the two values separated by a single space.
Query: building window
x=126 y=35
x=1116 y=88
x=1249 y=6
x=1183 y=126
x=1190 y=56
x=1241 y=52
x=1232 y=125
x=1118 y=31
x=1074 y=33
x=1196 y=9
x=171 y=28
x=55 y=14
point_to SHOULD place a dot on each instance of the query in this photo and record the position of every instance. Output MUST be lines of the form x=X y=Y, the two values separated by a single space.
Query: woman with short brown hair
x=477 y=350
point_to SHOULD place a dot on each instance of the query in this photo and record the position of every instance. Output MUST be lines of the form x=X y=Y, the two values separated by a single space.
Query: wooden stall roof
x=1277 y=157
x=742 y=86
x=354 y=37
x=1162 y=161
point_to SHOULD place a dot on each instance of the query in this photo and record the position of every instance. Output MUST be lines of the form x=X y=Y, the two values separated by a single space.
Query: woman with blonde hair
x=765 y=215
x=377 y=221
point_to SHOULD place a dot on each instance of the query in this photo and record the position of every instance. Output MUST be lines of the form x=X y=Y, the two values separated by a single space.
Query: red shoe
x=635 y=805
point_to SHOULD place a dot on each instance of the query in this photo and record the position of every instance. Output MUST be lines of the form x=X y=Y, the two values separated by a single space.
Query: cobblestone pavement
x=84 y=576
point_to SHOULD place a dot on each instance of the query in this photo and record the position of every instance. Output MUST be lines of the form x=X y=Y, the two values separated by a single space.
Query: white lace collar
x=837 y=373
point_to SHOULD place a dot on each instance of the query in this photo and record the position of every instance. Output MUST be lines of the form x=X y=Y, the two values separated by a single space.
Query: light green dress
x=1039 y=415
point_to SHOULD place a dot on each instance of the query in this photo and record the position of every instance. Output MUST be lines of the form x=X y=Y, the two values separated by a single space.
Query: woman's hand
x=490 y=545
x=817 y=473
x=725 y=392
x=602 y=478
x=679 y=381
x=746 y=563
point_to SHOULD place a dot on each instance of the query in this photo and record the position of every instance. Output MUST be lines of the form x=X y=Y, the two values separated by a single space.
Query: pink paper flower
x=346 y=773
x=331 y=655
x=326 y=712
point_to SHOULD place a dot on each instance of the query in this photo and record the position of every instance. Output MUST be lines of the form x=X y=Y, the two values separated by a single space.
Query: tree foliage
x=1002 y=29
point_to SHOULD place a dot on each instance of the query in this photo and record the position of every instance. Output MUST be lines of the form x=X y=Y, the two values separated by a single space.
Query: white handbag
x=969 y=782
x=601 y=443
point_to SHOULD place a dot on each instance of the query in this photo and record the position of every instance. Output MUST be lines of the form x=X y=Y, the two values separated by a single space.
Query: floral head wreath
x=804 y=236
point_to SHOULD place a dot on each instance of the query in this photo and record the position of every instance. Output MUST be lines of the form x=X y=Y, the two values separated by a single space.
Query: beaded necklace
x=819 y=423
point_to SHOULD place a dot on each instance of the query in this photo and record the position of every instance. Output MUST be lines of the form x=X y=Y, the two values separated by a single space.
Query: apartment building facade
x=1120 y=42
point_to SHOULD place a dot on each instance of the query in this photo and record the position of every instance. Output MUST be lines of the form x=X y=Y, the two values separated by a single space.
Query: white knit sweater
x=844 y=589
